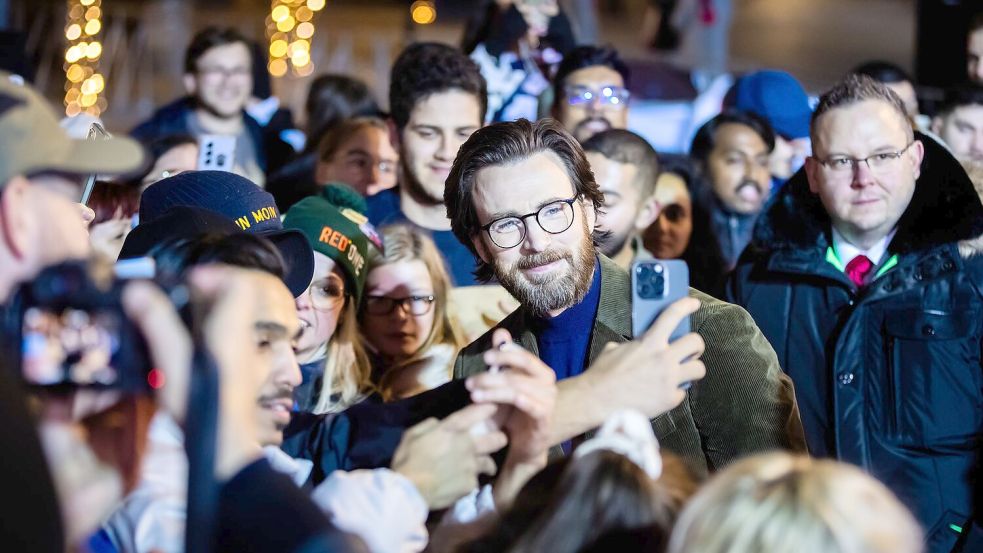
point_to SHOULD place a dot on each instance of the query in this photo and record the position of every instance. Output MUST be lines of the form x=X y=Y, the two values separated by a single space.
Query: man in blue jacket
x=218 y=79
x=865 y=274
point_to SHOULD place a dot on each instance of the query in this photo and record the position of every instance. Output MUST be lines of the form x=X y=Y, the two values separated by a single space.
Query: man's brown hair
x=504 y=144
x=208 y=38
x=858 y=88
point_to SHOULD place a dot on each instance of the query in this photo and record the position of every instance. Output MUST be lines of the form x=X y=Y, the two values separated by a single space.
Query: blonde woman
x=779 y=503
x=335 y=368
x=404 y=317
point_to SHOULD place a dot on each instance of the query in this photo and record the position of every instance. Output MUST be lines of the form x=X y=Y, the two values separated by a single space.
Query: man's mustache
x=745 y=183
x=595 y=119
x=540 y=259
x=282 y=392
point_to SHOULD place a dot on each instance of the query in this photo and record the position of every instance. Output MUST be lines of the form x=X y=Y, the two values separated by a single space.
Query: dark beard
x=550 y=293
x=581 y=128
x=414 y=188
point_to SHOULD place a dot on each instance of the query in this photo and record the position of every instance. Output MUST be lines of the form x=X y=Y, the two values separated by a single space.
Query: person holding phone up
x=523 y=198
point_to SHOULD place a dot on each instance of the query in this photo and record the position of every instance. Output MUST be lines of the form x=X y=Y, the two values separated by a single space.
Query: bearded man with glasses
x=865 y=274
x=523 y=198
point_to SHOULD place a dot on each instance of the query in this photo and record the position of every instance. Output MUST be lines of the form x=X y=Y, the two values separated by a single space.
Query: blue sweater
x=564 y=340
x=384 y=209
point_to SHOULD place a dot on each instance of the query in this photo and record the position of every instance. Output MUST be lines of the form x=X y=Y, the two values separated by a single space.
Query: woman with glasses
x=404 y=317
x=333 y=363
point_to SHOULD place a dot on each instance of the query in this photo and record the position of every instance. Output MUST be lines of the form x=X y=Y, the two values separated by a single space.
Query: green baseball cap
x=31 y=141
x=339 y=232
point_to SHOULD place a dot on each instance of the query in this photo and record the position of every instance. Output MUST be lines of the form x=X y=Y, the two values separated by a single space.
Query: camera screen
x=71 y=346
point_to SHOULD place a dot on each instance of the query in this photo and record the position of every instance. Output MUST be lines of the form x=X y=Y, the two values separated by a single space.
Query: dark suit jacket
x=744 y=405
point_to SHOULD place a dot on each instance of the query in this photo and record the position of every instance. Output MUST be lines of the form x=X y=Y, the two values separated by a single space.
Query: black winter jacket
x=887 y=377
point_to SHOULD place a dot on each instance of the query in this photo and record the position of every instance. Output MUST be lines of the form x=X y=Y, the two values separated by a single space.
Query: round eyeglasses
x=384 y=305
x=554 y=218
x=608 y=95
x=327 y=294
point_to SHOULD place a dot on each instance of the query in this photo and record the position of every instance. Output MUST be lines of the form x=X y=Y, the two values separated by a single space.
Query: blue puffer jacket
x=888 y=377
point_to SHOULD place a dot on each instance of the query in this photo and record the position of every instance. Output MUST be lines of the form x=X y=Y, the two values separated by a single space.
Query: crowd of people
x=413 y=331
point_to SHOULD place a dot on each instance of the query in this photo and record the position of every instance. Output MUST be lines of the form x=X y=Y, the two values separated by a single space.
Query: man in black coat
x=864 y=276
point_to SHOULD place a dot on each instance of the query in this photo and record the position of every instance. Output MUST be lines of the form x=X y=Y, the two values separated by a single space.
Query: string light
x=290 y=28
x=84 y=85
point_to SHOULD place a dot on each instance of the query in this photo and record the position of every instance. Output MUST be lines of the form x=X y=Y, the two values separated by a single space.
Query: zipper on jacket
x=891 y=408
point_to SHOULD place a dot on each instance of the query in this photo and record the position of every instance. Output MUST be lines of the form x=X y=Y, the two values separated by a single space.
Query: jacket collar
x=614 y=307
x=944 y=209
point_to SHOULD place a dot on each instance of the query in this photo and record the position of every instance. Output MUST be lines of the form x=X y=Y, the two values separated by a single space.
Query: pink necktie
x=858 y=268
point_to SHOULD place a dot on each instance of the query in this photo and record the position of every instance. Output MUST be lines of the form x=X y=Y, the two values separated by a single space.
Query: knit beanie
x=336 y=225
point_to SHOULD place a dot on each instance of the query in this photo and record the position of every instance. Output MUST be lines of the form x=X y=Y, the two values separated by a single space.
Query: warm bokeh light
x=300 y=58
x=278 y=68
x=83 y=83
x=305 y=30
x=94 y=50
x=74 y=74
x=290 y=28
x=286 y=25
x=73 y=32
x=98 y=83
x=280 y=13
x=93 y=27
x=72 y=54
x=423 y=12
x=278 y=48
x=305 y=70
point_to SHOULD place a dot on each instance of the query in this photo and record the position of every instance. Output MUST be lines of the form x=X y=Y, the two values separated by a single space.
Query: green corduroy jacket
x=744 y=405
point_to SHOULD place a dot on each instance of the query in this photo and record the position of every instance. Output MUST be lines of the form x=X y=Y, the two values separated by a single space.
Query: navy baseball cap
x=241 y=201
x=177 y=222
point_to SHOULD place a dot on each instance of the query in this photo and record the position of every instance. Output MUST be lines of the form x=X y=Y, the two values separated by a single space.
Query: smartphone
x=656 y=284
x=96 y=132
x=216 y=152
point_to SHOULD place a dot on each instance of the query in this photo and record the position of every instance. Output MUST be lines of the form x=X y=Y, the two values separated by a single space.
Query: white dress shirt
x=845 y=251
